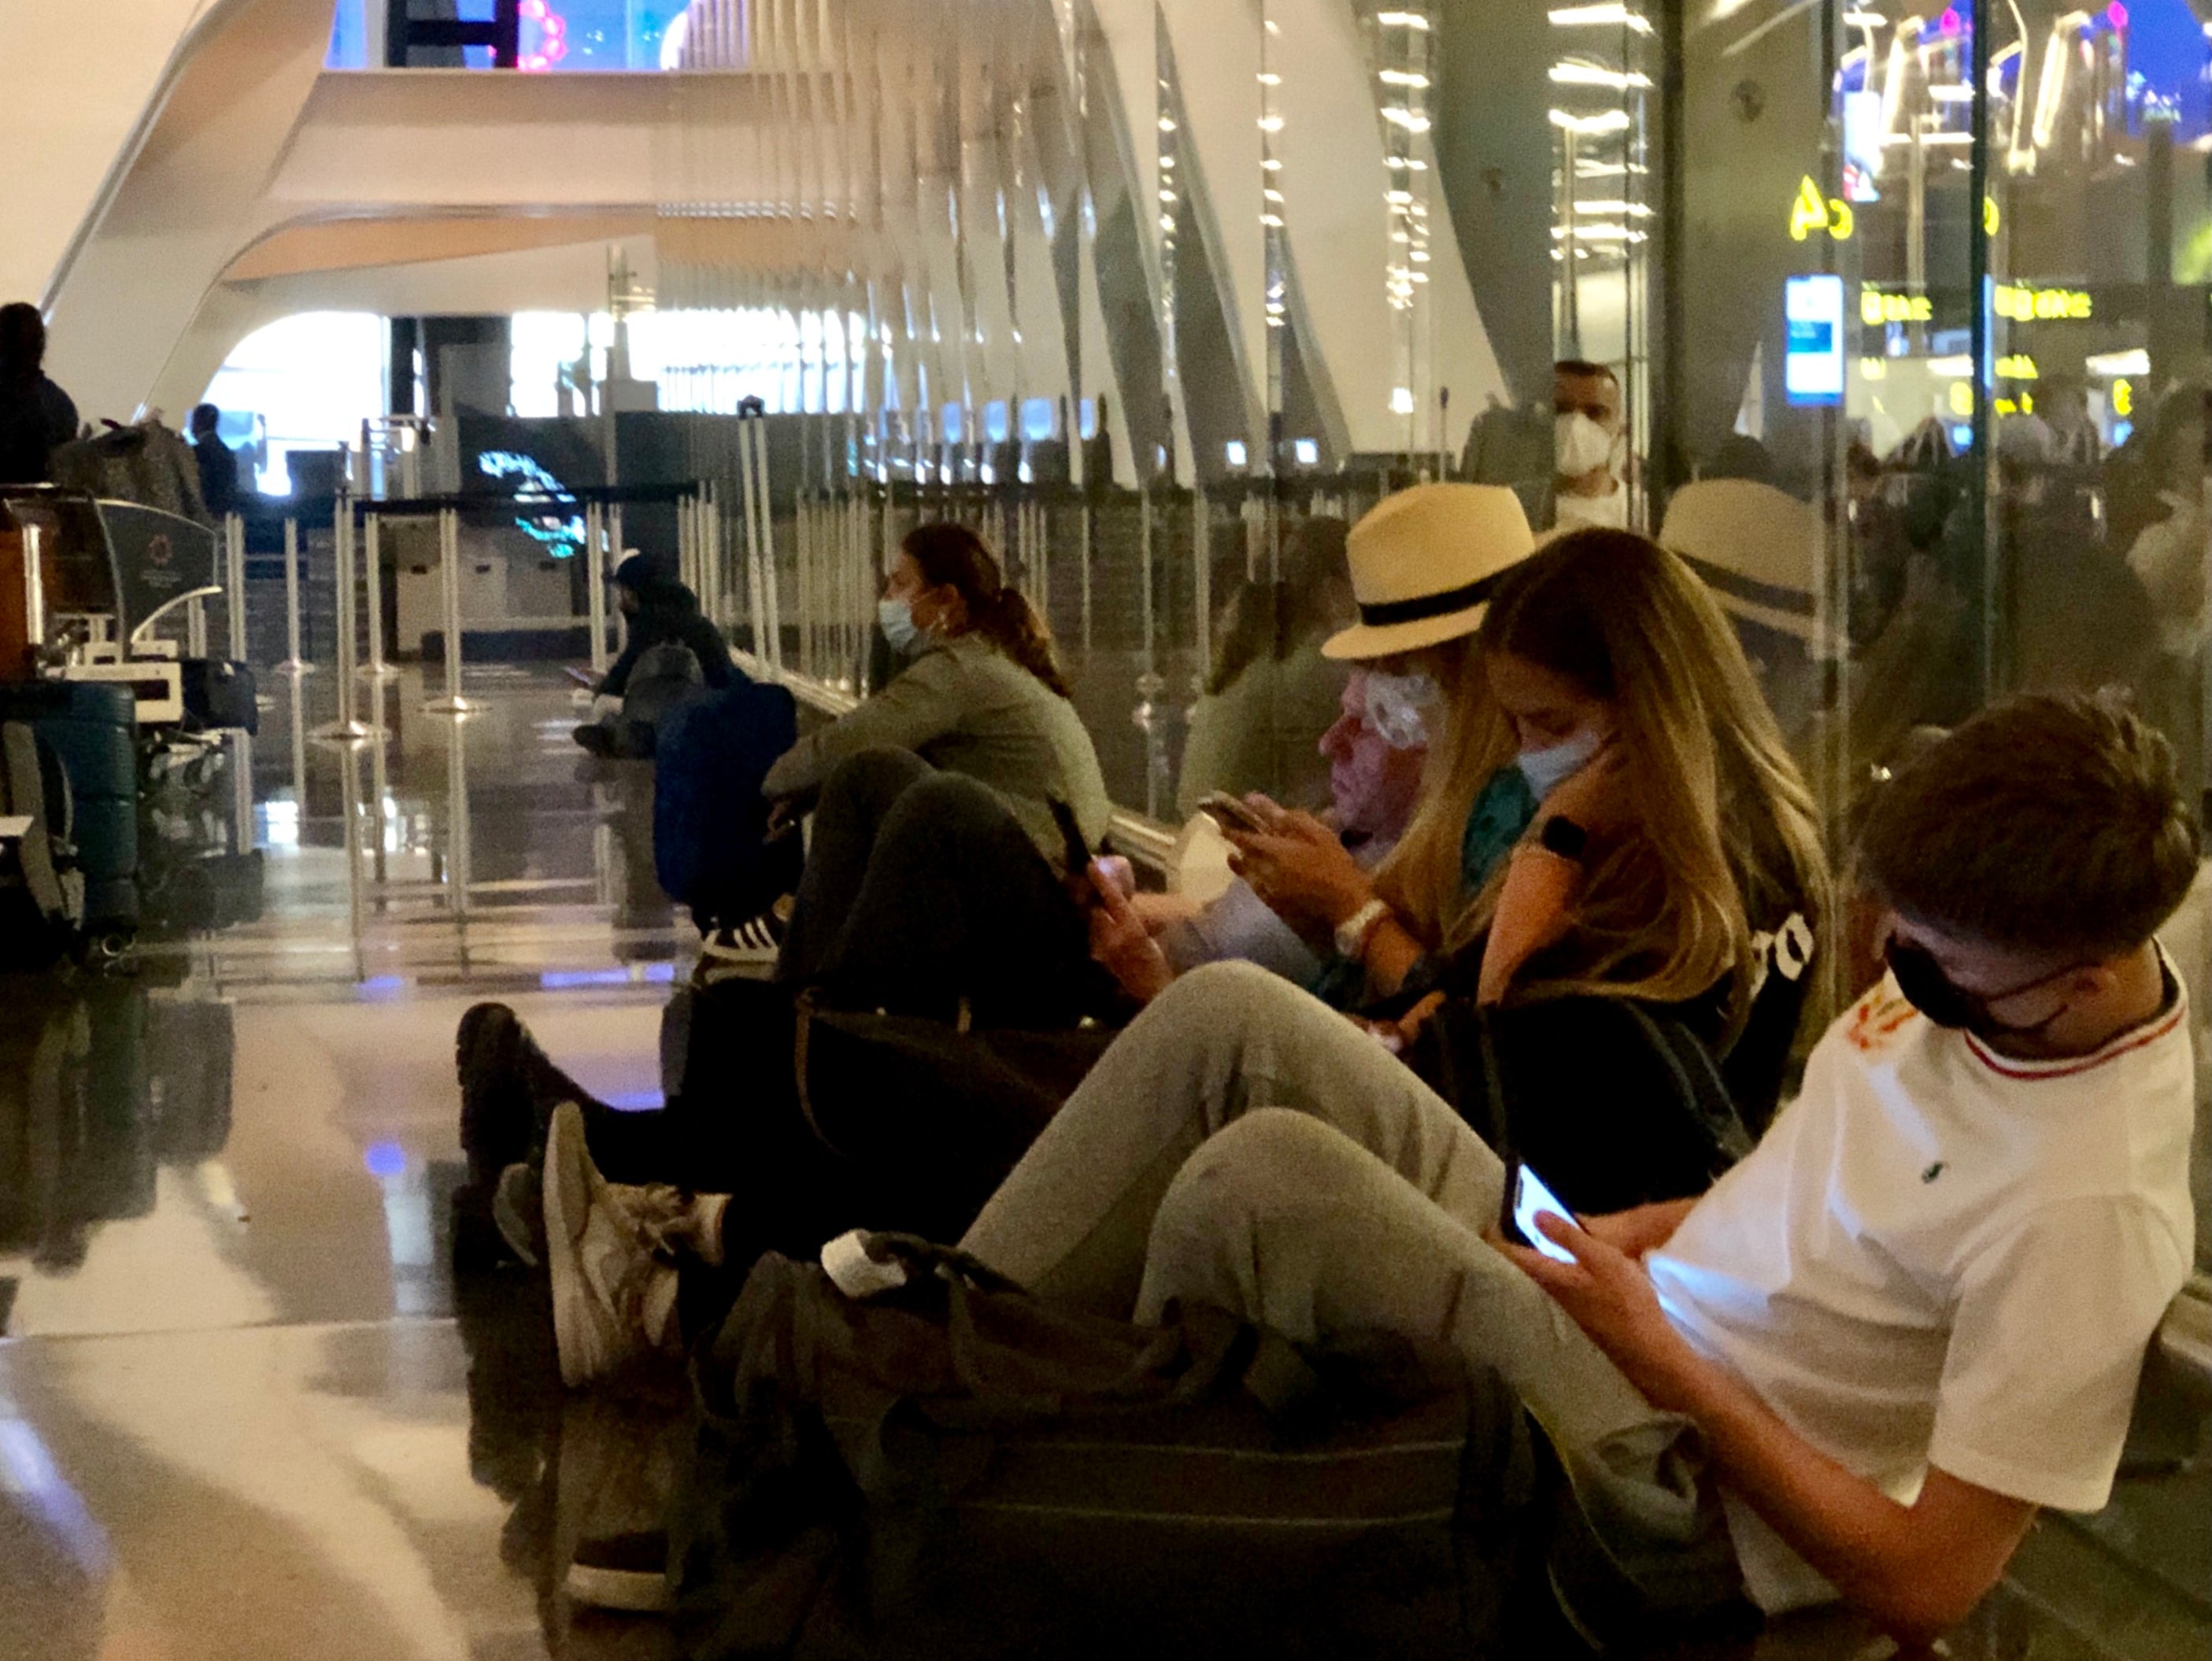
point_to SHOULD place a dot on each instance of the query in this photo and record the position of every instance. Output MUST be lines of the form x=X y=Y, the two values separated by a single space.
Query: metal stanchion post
x=233 y=582
x=613 y=522
x=456 y=830
x=293 y=664
x=241 y=792
x=767 y=543
x=356 y=883
x=756 y=581
x=806 y=562
x=241 y=746
x=595 y=581
x=687 y=557
x=372 y=557
x=711 y=533
x=196 y=627
x=451 y=702
x=344 y=729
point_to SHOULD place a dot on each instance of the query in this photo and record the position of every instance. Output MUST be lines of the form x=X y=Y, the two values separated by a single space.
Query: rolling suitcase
x=41 y=897
x=94 y=728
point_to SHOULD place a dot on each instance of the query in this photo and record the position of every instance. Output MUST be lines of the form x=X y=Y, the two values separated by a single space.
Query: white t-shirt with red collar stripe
x=1939 y=1255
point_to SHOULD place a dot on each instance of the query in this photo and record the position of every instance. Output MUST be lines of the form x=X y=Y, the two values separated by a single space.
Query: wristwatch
x=1562 y=835
x=1351 y=934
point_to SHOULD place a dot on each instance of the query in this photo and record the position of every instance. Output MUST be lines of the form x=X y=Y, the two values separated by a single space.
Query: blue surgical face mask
x=1547 y=768
x=896 y=618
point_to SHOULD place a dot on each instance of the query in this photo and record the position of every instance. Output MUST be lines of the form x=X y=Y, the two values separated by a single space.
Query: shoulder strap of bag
x=802 y=1031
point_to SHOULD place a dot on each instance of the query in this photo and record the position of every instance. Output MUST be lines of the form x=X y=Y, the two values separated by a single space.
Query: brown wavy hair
x=954 y=556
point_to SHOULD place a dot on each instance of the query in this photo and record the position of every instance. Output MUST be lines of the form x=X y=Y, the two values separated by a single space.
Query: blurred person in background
x=218 y=462
x=2168 y=556
x=1590 y=446
x=1271 y=693
x=36 y=416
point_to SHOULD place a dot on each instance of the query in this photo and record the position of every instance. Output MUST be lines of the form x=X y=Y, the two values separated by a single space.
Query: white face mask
x=1547 y=768
x=1398 y=705
x=1580 y=445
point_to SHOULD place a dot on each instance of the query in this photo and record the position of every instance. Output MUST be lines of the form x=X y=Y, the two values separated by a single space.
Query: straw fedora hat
x=1757 y=548
x=1423 y=563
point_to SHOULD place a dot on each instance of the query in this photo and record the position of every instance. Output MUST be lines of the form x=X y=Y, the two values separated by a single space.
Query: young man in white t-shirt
x=1914 y=1314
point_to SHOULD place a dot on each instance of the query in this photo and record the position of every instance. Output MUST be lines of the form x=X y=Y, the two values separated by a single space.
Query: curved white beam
x=81 y=82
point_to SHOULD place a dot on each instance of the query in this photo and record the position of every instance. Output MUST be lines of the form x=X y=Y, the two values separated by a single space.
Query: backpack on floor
x=952 y=1469
x=41 y=892
x=710 y=847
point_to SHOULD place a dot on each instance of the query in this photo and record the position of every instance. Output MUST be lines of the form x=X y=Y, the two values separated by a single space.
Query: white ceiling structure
x=976 y=178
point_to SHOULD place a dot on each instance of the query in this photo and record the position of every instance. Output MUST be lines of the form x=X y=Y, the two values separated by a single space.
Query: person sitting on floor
x=1854 y=1368
x=1375 y=778
x=954 y=811
x=940 y=881
x=1693 y=824
x=660 y=614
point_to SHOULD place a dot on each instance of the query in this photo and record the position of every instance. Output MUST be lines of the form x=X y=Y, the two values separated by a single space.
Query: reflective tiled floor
x=246 y=1410
x=241 y=1414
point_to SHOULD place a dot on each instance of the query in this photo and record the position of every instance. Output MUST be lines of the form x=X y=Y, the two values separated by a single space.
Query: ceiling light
x=1589 y=75
x=1611 y=17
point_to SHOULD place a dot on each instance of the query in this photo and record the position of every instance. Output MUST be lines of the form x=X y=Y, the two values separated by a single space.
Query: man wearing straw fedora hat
x=1423 y=563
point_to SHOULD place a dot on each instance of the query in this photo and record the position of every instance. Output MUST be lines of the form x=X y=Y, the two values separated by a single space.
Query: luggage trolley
x=97 y=578
x=83 y=584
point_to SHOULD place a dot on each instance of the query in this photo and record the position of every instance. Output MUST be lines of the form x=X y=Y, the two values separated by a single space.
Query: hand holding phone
x=1231 y=812
x=1526 y=1198
x=1114 y=870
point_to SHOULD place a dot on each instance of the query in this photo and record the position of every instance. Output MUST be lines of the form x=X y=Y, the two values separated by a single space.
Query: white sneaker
x=613 y=1301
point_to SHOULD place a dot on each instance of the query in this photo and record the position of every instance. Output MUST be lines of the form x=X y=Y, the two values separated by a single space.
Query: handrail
x=1146 y=841
x=319 y=507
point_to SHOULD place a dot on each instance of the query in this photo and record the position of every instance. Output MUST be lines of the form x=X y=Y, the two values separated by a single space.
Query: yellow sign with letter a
x=1812 y=212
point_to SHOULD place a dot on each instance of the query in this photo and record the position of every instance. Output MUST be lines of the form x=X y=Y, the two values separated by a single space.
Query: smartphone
x=1231 y=812
x=1526 y=1198
x=1118 y=872
x=583 y=677
x=1075 y=853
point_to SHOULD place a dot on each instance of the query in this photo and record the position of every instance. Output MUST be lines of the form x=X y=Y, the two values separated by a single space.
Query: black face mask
x=1942 y=1000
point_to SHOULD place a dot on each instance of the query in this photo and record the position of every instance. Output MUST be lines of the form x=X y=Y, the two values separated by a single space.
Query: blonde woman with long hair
x=1693 y=840
x=1609 y=811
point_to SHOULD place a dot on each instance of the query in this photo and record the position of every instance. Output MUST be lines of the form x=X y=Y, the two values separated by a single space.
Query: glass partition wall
x=1162 y=295
x=1160 y=290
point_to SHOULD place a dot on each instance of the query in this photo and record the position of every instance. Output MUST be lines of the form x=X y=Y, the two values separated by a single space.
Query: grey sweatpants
x=1245 y=1146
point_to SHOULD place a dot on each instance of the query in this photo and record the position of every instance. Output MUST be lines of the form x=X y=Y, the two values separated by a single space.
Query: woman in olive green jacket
x=940 y=870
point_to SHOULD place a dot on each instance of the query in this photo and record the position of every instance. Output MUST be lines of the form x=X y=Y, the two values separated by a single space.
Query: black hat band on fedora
x=1422 y=606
